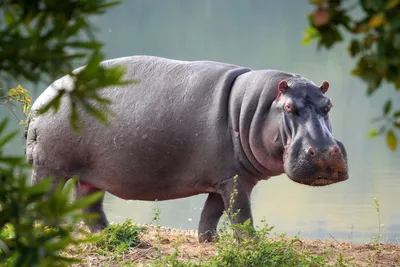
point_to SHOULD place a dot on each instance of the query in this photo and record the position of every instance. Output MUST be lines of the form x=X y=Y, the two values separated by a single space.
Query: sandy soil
x=387 y=255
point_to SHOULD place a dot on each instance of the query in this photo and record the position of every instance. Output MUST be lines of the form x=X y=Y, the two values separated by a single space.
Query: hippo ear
x=324 y=87
x=282 y=86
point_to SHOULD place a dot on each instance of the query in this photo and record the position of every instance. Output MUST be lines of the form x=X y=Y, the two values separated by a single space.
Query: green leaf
x=96 y=113
x=377 y=20
x=74 y=118
x=57 y=245
x=330 y=36
x=396 y=40
x=372 y=133
x=92 y=66
x=310 y=33
x=387 y=107
x=54 y=103
x=7 y=138
x=40 y=188
x=391 y=140
x=396 y=114
x=392 y=3
x=9 y=17
x=84 y=202
x=355 y=47
x=318 y=2
x=372 y=6
x=3 y=124
x=88 y=45
x=12 y=160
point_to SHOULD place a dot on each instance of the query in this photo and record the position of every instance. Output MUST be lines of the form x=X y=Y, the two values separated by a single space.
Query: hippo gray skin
x=188 y=128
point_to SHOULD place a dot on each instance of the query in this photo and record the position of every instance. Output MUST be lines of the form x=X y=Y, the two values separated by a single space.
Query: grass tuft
x=120 y=237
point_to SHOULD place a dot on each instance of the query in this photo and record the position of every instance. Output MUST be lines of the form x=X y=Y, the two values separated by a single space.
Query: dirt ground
x=386 y=255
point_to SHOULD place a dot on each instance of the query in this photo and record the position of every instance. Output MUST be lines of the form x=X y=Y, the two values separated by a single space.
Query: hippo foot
x=97 y=228
x=208 y=237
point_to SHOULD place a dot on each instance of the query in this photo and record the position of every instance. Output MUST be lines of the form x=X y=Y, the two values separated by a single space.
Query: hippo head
x=311 y=155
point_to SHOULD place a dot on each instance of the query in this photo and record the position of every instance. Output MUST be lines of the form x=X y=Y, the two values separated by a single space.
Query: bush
x=23 y=241
x=34 y=32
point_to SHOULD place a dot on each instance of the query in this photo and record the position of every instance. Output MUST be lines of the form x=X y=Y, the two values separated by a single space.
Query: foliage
x=42 y=38
x=87 y=82
x=260 y=250
x=120 y=237
x=20 y=95
x=41 y=41
x=25 y=243
x=374 y=42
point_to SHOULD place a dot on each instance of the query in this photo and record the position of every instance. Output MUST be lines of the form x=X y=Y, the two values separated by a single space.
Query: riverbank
x=171 y=247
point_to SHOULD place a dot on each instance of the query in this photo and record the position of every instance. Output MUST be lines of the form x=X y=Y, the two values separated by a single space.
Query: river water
x=266 y=34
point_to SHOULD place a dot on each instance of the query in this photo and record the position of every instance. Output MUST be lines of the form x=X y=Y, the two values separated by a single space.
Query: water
x=266 y=34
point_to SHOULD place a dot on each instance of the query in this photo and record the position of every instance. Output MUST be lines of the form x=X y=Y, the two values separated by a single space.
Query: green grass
x=251 y=248
x=118 y=238
x=237 y=246
x=259 y=250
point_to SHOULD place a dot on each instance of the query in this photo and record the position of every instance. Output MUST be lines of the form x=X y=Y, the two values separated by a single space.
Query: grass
x=153 y=246
x=128 y=244
x=118 y=238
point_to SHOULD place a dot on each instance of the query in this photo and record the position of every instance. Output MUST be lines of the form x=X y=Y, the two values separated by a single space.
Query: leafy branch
x=40 y=42
x=86 y=84
x=375 y=43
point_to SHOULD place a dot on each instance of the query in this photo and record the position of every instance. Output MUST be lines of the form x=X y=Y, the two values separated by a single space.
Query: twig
x=335 y=240
x=12 y=111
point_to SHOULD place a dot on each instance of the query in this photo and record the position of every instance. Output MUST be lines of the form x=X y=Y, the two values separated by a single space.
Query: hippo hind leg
x=99 y=222
x=212 y=212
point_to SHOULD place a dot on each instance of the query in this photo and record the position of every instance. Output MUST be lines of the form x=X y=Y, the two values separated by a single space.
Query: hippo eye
x=328 y=108
x=288 y=108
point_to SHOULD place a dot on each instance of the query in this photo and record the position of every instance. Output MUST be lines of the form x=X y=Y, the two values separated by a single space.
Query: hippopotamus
x=187 y=128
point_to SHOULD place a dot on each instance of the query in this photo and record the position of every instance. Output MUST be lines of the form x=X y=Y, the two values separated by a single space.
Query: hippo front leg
x=212 y=212
x=237 y=201
x=216 y=203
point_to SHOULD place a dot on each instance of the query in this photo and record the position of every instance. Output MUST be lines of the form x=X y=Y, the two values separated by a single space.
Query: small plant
x=157 y=245
x=230 y=214
x=120 y=237
x=260 y=250
x=378 y=238
x=21 y=96
x=344 y=262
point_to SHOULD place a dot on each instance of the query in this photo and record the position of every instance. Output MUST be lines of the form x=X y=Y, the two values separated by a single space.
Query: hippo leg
x=100 y=222
x=212 y=212
x=240 y=208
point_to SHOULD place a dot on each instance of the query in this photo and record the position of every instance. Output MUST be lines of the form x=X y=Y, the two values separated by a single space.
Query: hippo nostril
x=334 y=149
x=311 y=151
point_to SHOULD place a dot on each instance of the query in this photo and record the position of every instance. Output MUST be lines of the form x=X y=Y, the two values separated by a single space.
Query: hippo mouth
x=323 y=180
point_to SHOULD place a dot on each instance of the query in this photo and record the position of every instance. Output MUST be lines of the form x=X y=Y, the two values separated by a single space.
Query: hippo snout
x=317 y=166
x=328 y=157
